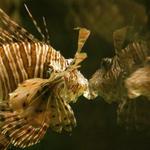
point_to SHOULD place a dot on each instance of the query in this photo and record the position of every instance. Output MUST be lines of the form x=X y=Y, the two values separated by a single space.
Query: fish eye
x=48 y=72
x=106 y=63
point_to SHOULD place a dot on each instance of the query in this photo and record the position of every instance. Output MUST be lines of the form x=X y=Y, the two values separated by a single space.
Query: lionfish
x=37 y=85
x=124 y=76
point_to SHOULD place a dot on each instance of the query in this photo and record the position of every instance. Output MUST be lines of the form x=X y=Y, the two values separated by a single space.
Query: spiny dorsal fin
x=119 y=38
x=6 y=37
x=14 y=29
x=35 y=23
x=123 y=36
x=83 y=36
x=47 y=40
x=79 y=56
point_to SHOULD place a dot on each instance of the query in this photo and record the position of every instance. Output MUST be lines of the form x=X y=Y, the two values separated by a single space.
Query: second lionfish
x=48 y=83
x=125 y=79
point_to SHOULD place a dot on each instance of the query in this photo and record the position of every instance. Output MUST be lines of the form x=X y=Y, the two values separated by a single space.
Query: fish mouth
x=90 y=94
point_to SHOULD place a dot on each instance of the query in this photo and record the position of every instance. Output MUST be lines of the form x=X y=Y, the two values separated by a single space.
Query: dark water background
x=97 y=121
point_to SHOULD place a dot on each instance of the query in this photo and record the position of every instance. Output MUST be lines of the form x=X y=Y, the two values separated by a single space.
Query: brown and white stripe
x=23 y=60
x=22 y=56
x=127 y=60
x=108 y=81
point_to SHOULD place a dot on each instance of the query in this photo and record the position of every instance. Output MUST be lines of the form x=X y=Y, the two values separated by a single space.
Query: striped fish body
x=37 y=85
x=40 y=102
x=123 y=77
x=108 y=81
x=21 y=61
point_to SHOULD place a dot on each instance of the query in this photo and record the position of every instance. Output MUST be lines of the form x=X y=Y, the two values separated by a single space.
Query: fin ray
x=14 y=29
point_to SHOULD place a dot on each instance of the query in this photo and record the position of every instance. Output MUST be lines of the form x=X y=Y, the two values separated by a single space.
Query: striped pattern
x=48 y=83
x=22 y=56
x=20 y=61
x=133 y=56
x=108 y=81
x=126 y=61
x=111 y=67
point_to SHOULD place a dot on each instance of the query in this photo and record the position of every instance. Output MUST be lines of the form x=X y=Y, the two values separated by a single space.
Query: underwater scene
x=75 y=74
